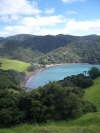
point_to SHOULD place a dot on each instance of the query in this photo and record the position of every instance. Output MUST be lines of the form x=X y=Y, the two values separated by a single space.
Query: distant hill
x=52 y=49
x=85 y=49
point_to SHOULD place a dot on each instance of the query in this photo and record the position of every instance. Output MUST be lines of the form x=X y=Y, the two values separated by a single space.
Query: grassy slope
x=14 y=64
x=93 y=93
x=89 y=123
x=82 y=125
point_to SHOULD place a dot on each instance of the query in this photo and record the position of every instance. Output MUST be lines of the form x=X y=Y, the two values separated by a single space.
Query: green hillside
x=77 y=51
x=13 y=64
x=88 y=123
x=93 y=93
x=52 y=49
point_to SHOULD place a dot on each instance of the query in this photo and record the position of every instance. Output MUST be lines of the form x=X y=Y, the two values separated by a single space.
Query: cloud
x=74 y=25
x=11 y=30
x=52 y=25
x=34 y=25
x=50 y=11
x=72 y=12
x=42 y=21
x=8 y=19
x=71 y=1
x=22 y=7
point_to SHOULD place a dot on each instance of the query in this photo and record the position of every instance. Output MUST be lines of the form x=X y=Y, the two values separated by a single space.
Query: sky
x=49 y=17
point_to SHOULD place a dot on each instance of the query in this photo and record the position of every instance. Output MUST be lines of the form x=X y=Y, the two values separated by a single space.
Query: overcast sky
x=42 y=17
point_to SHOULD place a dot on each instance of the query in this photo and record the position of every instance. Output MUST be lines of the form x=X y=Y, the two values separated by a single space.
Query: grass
x=86 y=120
x=88 y=123
x=55 y=128
x=93 y=93
x=14 y=64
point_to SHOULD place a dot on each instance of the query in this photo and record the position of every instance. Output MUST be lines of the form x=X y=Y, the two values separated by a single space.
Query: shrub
x=94 y=73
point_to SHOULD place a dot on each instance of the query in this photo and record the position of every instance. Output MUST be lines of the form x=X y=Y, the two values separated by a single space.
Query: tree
x=79 y=80
x=94 y=73
x=10 y=114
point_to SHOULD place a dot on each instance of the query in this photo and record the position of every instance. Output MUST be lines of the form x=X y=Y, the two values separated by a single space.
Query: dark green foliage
x=0 y=64
x=61 y=103
x=89 y=107
x=33 y=67
x=30 y=68
x=10 y=79
x=7 y=99
x=6 y=80
x=79 y=80
x=10 y=116
x=27 y=55
x=52 y=102
x=17 y=76
x=94 y=73
x=9 y=112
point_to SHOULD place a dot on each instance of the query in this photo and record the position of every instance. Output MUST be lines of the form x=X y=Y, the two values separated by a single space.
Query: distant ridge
x=54 y=49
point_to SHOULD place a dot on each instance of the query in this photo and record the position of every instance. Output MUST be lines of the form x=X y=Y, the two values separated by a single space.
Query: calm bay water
x=57 y=73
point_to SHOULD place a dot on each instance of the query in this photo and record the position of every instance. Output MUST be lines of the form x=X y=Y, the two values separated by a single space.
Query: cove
x=56 y=73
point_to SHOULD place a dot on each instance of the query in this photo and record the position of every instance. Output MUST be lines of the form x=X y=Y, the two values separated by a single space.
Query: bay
x=57 y=73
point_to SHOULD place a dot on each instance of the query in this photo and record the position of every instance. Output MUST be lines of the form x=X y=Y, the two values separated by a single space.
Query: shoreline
x=28 y=76
x=33 y=73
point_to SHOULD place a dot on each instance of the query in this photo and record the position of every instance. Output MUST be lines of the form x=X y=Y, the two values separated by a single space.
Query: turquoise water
x=57 y=73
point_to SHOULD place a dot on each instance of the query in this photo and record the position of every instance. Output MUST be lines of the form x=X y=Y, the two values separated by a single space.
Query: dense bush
x=33 y=67
x=9 y=111
x=89 y=107
x=61 y=100
x=52 y=102
x=79 y=80
x=10 y=79
x=94 y=73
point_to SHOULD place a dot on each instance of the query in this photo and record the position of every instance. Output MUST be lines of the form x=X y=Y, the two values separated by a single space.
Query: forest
x=61 y=100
